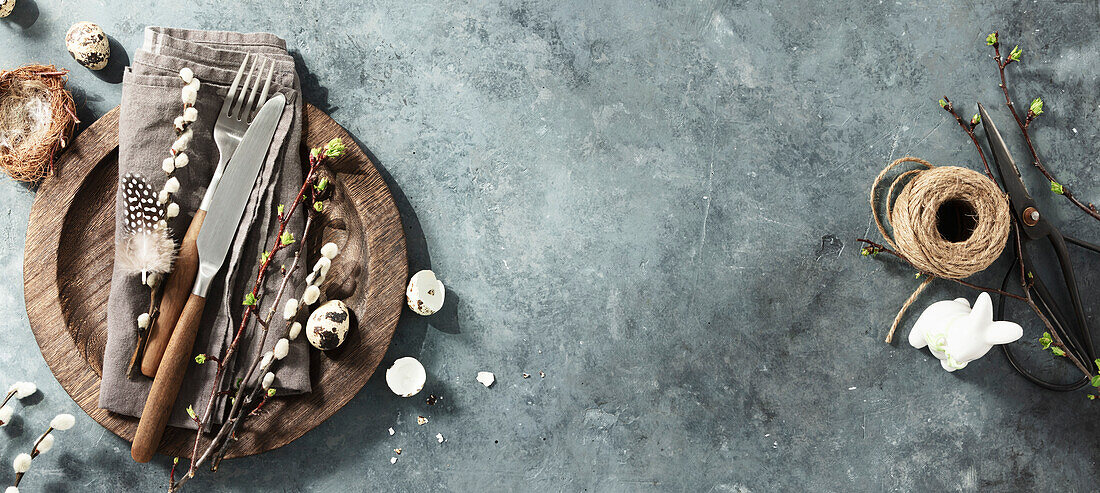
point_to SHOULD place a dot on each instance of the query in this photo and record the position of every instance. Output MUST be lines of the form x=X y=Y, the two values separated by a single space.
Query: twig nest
x=88 y=45
x=6 y=6
x=327 y=326
x=37 y=117
x=406 y=377
x=425 y=293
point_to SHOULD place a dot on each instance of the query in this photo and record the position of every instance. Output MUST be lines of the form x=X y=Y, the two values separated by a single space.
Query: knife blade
x=220 y=226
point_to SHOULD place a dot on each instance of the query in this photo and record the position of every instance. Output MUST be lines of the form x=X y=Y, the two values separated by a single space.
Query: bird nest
x=37 y=117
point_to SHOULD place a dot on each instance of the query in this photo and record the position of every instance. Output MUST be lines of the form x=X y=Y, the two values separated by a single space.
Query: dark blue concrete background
x=655 y=204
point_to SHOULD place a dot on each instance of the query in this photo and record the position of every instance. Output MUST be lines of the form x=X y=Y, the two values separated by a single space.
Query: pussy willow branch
x=143 y=334
x=877 y=248
x=1003 y=62
x=224 y=433
x=34 y=453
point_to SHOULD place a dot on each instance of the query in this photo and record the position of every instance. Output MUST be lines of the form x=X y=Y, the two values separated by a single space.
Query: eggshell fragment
x=425 y=293
x=486 y=378
x=406 y=377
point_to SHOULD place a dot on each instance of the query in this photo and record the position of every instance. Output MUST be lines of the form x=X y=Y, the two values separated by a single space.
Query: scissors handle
x=1059 y=244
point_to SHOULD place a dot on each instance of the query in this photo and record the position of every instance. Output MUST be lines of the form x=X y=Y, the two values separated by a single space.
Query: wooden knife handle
x=176 y=288
x=166 y=385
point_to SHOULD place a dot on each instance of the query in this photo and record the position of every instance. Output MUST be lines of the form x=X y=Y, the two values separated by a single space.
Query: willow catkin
x=913 y=218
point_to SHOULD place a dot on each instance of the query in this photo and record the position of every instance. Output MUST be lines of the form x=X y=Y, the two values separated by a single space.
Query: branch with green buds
x=248 y=388
x=968 y=127
x=1035 y=109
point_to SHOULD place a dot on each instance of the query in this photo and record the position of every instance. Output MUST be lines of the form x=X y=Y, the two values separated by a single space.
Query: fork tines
x=241 y=107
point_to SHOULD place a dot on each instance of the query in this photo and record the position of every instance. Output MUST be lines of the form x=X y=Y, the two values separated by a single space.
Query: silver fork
x=236 y=115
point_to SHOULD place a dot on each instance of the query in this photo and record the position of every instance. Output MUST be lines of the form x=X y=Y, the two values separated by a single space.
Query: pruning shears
x=1032 y=225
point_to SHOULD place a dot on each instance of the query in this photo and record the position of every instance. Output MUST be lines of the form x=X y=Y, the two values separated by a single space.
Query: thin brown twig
x=968 y=127
x=1003 y=62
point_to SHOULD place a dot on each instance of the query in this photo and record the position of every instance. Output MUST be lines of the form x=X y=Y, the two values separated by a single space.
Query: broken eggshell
x=425 y=293
x=406 y=377
x=327 y=326
x=88 y=45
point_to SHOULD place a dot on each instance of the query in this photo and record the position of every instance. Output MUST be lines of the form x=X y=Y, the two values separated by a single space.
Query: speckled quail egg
x=6 y=6
x=425 y=293
x=327 y=326
x=88 y=44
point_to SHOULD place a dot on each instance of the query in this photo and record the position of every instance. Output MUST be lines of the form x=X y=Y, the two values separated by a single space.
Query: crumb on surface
x=393 y=460
x=392 y=432
x=526 y=375
x=421 y=420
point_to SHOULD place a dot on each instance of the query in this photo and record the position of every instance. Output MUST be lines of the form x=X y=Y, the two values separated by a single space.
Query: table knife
x=219 y=227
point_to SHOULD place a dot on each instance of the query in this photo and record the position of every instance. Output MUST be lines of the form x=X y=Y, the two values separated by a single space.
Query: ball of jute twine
x=913 y=219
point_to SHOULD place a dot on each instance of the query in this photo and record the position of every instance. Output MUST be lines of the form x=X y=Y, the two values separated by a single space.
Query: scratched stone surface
x=654 y=203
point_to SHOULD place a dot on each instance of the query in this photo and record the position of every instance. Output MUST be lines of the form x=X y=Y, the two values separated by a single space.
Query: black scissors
x=1032 y=225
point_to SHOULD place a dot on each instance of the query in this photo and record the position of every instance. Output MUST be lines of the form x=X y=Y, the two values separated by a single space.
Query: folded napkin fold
x=150 y=102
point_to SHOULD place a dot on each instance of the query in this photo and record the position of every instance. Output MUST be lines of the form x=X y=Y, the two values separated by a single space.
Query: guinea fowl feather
x=144 y=247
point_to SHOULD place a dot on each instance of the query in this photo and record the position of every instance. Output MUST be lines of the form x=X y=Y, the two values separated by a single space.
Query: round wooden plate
x=69 y=256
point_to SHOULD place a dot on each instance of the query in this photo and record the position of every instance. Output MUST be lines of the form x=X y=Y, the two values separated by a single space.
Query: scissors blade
x=1006 y=166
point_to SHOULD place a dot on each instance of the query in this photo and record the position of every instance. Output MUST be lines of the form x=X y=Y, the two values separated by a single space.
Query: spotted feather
x=143 y=212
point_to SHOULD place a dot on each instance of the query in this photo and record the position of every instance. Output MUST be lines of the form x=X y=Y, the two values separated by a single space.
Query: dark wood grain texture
x=68 y=258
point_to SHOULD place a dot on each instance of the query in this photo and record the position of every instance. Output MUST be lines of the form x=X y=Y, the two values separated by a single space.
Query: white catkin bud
x=195 y=84
x=24 y=389
x=63 y=422
x=290 y=309
x=190 y=114
x=269 y=378
x=310 y=278
x=163 y=197
x=189 y=94
x=172 y=185
x=22 y=463
x=46 y=444
x=266 y=362
x=143 y=321
x=173 y=210
x=182 y=141
x=311 y=294
x=282 y=348
x=295 y=329
x=11 y=489
x=154 y=278
x=162 y=224
x=179 y=123
x=182 y=160
x=186 y=74
x=322 y=265
x=6 y=413
x=168 y=165
x=330 y=250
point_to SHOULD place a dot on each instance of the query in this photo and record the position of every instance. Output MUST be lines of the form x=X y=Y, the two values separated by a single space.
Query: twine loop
x=914 y=219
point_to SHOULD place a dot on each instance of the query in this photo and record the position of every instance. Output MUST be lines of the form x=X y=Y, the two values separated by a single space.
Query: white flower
x=189 y=94
x=63 y=422
x=172 y=185
x=46 y=444
x=23 y=389
x=22 y=463
x=173 y=210
x=6 y=413
x=282 y=348
x=143 y=321
x=330 y=250
x=182 y=160
x=190 y=114
x=186 y=74
x=266 y=362
x=168 y=165
x=311 y=294
x=269 y=379
x=295 y=329
x=290 y=309
x=322 y=266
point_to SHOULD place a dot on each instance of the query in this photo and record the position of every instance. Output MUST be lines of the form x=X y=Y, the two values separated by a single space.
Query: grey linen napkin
x=150 y=102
